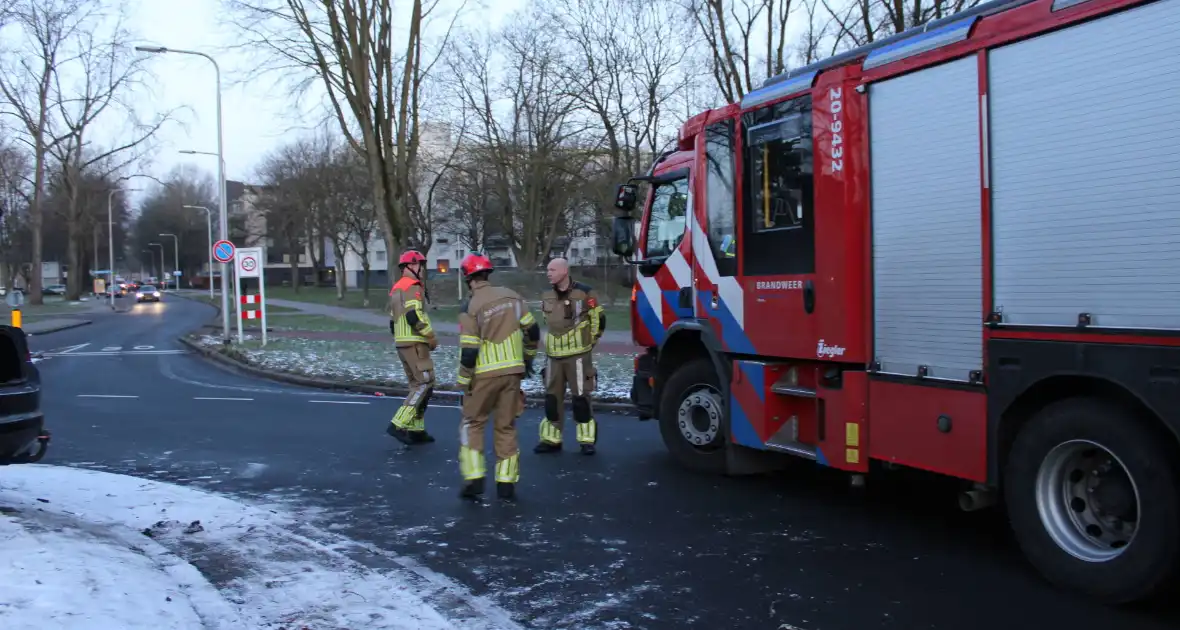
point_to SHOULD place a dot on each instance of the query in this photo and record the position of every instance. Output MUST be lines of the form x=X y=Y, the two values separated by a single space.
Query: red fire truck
x=956 y=250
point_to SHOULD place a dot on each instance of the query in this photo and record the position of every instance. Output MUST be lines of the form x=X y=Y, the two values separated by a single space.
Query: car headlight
x=138 y=295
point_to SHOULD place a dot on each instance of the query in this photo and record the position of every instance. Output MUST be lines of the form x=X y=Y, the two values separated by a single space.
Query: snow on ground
x=377 y=364
x=88 y=549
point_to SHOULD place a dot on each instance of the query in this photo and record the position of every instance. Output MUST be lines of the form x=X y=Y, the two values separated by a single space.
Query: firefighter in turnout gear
x=415 y=339
x=498 y=343
x=574 y=322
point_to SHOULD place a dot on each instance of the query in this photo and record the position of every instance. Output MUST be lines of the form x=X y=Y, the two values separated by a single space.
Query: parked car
x=23 y=438
x=54 y=289
x=147 y=293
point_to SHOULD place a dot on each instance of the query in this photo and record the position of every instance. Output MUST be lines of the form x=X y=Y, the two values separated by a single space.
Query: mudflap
x=742 y=460
x=643 y=395
x=32 y=453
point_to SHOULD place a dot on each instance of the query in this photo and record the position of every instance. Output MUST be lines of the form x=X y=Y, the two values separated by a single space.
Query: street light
x=209 y=220
x=175 y=257
x=222 y=207
x=111 y=236
x=161 y=246
x=150 y=257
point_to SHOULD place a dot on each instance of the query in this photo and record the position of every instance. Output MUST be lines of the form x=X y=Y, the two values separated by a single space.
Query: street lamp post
x=151 y=257
x=161 y=246
x=111 y=237
x=175 y=257
x=222 y=207
x=209 y=221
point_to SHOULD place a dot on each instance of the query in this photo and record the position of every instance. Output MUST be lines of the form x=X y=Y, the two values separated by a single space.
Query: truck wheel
x=1094 y=501
x=692 y=417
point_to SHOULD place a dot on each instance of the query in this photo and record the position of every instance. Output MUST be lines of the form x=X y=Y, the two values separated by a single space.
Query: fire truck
x=955 y=250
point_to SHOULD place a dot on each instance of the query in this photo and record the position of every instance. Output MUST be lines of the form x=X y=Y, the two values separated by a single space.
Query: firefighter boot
x=472 y=489
x=507 y=474
x=402 y=425
x=550 y=430
x=418 y=427
x=472 y=467
x=587 y=429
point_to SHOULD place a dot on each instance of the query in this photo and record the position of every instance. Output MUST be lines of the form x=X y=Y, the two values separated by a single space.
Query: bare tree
x=46 y=30
x=290 y=193
x=349 y=48
x=731 y=29
x=15 y=197
x=351 y=195
x=860 y=22
x=524 y=121
x=102 y=75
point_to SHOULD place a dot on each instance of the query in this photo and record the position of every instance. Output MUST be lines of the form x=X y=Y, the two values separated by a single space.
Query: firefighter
x=498 y=342
x=415 y=339
x=574 y=322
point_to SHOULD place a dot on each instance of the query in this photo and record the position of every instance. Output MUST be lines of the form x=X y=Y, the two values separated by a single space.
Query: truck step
x=786 y=440
x=782 y=389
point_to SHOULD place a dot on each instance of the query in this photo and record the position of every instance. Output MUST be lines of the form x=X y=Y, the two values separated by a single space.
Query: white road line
x=114 y=353
x=216 y=398
x=72 y=348
x=340 y=402
x=104 y=396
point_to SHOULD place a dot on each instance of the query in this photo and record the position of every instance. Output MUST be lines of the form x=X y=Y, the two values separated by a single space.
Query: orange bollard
x=16 y=318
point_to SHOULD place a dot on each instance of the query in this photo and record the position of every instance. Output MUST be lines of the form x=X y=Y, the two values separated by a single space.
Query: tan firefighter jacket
x=407 y=318
x=497 y=333
x=574 y=320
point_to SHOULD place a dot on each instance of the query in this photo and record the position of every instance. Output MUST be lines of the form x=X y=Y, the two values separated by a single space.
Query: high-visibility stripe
x=498 y=356
x=508 y=470
x=569 y=343
x=471 y=463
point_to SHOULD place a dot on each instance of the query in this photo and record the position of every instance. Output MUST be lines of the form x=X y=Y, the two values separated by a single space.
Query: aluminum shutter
x=926 y=214
x=1085 y=163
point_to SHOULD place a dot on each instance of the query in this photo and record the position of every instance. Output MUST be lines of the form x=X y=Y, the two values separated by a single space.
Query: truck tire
x=692 y=417
x=1094 y=501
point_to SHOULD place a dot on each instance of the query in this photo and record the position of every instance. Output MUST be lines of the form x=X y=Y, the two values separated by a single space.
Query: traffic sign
x=249 y=262
x=223 y=251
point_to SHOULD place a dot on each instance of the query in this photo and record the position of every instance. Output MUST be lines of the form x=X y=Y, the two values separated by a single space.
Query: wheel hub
x=1087 y=500
x=699 y=417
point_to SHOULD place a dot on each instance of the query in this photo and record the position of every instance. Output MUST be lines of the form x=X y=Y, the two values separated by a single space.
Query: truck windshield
x=666 y=221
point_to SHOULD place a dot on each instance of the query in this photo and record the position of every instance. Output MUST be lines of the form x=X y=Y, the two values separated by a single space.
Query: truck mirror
x=623 y=236
x=625 y=197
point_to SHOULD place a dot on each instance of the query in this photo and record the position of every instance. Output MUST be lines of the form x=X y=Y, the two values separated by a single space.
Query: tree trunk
x=365 y=279
x=341 y=268
x=73 y=257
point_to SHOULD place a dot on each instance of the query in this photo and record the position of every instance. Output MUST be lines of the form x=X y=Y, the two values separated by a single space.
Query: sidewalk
x=614 y=338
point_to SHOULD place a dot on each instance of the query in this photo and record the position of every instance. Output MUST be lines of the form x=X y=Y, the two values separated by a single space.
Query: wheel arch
x=687 y=340
x=1061 y=386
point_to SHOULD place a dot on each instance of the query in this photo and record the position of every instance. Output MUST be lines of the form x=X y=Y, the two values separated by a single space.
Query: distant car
x=54 y=289
x=147 y=293
x=23 y=438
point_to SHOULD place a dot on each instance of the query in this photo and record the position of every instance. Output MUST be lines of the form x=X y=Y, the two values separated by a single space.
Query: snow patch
x=368 y=362
x=271 y=569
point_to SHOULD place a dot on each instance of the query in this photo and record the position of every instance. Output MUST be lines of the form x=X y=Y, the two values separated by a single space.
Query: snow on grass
x=370 y=363
x=78 y=544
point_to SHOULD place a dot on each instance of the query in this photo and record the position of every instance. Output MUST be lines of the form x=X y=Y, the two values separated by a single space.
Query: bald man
x=574 y=323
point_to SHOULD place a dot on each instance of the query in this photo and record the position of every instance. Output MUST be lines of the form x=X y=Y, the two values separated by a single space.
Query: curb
x=216 y=307
x=85 y=322
x=531 y=400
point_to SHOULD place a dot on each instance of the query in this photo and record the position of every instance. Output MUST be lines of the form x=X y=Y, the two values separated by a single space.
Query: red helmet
x=473 y=263
x=409 y=257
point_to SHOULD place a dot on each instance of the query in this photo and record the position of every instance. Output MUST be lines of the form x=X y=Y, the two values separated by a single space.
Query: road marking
x=112 y=348
x=71 y=348
x=144 y=347
x=114 y=354
x=216 y=398
x=340 y=402
x=104 y=396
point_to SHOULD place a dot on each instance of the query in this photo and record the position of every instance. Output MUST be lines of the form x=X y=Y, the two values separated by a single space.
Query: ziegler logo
x=836 y=107
x=822 y=350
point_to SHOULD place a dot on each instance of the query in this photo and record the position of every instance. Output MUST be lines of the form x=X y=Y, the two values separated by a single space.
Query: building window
x=444 y=265
x=779 y=222
x=380 y=255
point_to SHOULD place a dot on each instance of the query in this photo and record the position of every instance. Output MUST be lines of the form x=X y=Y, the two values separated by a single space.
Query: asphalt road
x=621 y=540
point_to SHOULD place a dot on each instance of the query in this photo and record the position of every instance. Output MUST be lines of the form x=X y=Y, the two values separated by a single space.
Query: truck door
x=715 y=247
x=665 y=278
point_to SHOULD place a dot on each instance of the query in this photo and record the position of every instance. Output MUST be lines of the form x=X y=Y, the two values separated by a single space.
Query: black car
x=23 y=438
x=147 y=293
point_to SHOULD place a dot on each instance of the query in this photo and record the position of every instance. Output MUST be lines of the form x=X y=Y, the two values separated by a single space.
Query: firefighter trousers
x=579 y=374
x=419 y=369
x=501 y=397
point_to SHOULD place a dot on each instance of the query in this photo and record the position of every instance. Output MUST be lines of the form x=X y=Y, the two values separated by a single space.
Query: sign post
x=249 y=265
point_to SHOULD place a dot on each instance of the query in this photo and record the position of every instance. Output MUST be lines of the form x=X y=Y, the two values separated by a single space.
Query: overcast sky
x=255 y=119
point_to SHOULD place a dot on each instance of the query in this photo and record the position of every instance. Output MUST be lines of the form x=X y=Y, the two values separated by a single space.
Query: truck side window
x=779 y=223
x=665 y=228
x=719 y=190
